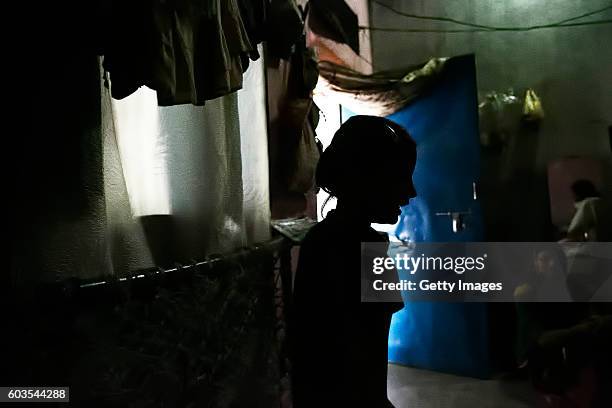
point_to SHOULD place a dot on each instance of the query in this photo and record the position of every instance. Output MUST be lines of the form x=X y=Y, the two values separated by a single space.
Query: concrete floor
x=416 y=388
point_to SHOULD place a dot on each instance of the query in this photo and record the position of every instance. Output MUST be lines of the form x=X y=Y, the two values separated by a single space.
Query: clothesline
x=480 y=30
x=484 y=27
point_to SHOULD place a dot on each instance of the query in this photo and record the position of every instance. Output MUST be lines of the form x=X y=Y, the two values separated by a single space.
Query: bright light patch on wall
x=329 y=123
x=142 y=152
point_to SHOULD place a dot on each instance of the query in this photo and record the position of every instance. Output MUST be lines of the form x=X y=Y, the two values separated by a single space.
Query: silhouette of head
x=368 y=167
x=584 y=189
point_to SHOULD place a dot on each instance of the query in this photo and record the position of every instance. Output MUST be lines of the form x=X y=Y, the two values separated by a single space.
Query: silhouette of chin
x=389 y=217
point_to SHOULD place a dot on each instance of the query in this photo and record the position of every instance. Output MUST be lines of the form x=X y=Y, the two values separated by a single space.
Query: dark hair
x=584 y=189
x=363 y=144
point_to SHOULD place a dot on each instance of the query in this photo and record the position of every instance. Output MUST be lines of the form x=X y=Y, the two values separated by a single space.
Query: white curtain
x=254 y=149
x=142 y=150
x=205 y=168
x=123 y=185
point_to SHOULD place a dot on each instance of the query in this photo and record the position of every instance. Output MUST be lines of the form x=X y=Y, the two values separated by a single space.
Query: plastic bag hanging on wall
x=532 y=107
x=499 y=113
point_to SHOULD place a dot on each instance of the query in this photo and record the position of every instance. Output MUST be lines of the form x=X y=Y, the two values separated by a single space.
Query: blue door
x=448 y=337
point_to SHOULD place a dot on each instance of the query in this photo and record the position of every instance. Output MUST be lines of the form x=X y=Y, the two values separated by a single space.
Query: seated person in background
x=590 y=222
x=564 y=347
x=546 y=285
x=548 y=281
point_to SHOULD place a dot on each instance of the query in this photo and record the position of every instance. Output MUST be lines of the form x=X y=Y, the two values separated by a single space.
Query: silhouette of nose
x=412 y=192
x=407 y=193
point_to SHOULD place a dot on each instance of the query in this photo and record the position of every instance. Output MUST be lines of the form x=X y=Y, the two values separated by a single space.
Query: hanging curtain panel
x=157 y=185
x=202 y=171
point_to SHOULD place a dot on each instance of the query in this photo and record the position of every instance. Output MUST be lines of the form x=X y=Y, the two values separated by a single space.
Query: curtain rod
x=270 y=245
x=70 y=283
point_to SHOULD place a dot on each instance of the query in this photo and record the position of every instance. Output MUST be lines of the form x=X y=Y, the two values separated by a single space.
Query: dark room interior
x=194 y=184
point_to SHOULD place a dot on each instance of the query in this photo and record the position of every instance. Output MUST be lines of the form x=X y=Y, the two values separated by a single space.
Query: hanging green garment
x=188 y=51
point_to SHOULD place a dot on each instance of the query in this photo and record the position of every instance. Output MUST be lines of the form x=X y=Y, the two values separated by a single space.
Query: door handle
x=457 y=219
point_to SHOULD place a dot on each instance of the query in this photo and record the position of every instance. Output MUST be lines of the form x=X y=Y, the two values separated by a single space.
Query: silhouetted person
x=340 y=344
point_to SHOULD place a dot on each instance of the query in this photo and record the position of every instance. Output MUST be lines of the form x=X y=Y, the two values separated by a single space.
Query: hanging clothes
x=298 y=122
x=335 y=20
x=205 y=52
x=188 y=51
x=254 y=16
x=284 y=28
x=129 y=48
